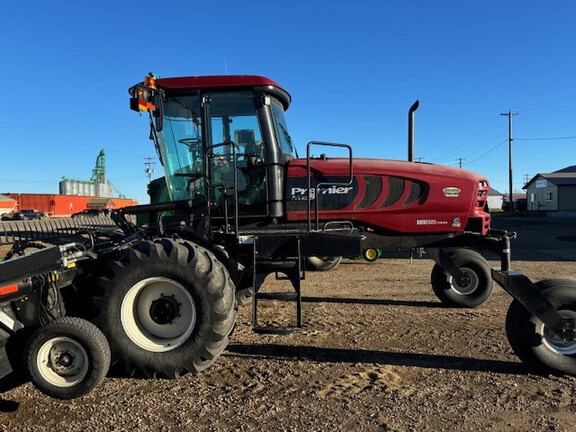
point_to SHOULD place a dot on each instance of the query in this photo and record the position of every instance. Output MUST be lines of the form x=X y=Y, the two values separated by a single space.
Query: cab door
x=236 y=155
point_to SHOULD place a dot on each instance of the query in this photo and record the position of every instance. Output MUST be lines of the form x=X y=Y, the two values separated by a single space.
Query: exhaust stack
x=411 y=111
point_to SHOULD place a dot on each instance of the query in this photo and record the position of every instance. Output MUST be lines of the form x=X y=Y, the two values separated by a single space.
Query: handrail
x=210 y=155
x=318 y=185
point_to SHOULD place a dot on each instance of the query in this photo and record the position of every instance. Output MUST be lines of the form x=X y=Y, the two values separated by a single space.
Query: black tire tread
x=472 y=260
x=178 y=259
x=89 y=336
x=524 y=340
x=322 y=265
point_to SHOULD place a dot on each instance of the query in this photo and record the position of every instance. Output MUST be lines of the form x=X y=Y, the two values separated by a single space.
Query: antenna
x=225 y=66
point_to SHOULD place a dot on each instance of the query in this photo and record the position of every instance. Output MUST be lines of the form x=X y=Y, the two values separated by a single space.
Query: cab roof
x=221 y=82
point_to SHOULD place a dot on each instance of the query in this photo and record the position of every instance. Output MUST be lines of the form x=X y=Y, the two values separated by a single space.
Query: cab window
x=284 y=139
x=235 y=151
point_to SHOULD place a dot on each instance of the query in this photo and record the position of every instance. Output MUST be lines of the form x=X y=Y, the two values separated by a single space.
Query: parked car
x=520 y=204
x=27 y=214
x=91 y=213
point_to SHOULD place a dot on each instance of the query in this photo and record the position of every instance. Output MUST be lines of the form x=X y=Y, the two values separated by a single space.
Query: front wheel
x=67 y=358
x=476 y=287
x=537 y=346
x=322 y=263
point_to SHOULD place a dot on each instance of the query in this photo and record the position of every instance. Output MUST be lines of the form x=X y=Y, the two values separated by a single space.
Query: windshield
x=180 y=146
x=284 y=139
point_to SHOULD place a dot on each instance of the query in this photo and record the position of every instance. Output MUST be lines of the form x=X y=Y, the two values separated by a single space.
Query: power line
x=547 y=139
x=63 y=140
x=487 y=153
x=550 y=103
x=546 y=128
x=492 y=124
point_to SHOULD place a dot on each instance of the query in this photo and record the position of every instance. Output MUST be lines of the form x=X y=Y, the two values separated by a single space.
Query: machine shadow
x=9 y=382
x=342 y=355
x=376 y=302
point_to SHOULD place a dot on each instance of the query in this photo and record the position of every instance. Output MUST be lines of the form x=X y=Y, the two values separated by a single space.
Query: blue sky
x=353 y=70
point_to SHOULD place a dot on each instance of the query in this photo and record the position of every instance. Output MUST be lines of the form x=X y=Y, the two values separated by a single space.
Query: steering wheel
x=193 y=143
x=191 y=176
x=224 y=144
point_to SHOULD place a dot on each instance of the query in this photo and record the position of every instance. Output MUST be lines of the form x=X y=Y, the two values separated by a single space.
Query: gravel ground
x=378 y=352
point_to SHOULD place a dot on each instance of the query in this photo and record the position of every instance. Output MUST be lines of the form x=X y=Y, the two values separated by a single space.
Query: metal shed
x=553 y=192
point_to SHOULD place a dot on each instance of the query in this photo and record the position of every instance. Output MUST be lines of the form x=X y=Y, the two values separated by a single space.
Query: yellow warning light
x=150 y=81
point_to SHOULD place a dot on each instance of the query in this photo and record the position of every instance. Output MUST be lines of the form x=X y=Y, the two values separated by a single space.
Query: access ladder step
x=288 y=297
x=282 y=296
x=290 y=266
x=277 y=330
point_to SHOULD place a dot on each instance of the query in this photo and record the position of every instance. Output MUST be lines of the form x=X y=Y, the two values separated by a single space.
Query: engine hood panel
x=387 y=195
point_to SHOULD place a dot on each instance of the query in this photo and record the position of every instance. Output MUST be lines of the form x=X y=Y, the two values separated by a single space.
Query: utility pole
x=460 y=160
x=510 y=114
x=149 y=170
x=526 y=178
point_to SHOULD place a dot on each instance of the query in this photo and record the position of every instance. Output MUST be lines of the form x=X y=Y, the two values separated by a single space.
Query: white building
x=553 y=192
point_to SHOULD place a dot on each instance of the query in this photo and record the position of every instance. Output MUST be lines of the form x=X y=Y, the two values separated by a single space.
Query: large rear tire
x=167 y=308
x=322 y=263
x=474 y=291
x=67 y=358
x=539 y=348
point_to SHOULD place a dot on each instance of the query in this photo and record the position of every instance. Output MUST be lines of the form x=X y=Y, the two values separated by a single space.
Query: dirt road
x=378 y=353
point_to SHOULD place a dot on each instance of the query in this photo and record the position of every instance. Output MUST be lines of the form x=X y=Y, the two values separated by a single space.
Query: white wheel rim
x=470 y=287
x=371 y=254
x=62 y=362
x=552 y=341
x=158 y=314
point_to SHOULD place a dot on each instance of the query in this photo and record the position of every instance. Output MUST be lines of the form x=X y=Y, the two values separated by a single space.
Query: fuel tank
x=389 y=196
